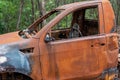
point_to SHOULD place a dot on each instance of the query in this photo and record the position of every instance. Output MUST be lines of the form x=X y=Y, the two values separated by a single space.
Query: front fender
x=13 y=60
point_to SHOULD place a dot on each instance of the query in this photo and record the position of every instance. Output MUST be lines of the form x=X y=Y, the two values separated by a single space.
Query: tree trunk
x=43 y=7
x=20 y=13
x=57 y=3
x=43 y=10
x=33 y=11
x=39 y=8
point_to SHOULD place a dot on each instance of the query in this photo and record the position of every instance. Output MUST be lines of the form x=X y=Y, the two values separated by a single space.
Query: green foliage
x=7 y=15
x=9 y=12
x=91 y=14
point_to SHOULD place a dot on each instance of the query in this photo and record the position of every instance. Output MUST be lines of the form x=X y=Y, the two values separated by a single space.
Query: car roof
x=72 y=5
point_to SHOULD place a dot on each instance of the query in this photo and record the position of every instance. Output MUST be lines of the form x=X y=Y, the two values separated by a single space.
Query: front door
x=77 y=50
x=78 y=58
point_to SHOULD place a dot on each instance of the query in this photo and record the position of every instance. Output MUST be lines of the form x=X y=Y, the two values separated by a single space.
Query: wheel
x=14 y=76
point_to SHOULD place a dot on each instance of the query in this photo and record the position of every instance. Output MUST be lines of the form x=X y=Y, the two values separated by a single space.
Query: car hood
x=10 y=37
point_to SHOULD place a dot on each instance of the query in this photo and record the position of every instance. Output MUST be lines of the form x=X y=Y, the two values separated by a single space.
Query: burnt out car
x=74 y=44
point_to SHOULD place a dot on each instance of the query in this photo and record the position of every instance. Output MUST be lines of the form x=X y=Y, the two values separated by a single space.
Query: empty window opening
x=80 y=23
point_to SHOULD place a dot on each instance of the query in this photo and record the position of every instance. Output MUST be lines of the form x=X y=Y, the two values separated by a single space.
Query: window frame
x=87 y=7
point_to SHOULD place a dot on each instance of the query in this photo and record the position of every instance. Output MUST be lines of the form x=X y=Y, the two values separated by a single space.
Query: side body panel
x=79 y=58
x=109 y=17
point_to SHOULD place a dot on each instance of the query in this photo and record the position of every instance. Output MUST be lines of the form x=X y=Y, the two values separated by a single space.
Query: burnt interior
x=87 y=26
x=83 y=22
x=91 y=28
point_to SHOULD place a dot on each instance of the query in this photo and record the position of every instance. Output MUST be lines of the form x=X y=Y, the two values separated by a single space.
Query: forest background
x=19 y=14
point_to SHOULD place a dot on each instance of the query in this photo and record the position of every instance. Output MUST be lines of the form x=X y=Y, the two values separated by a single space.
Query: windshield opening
x=39 y=24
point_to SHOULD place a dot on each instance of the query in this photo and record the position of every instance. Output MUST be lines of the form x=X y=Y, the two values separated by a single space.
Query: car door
x=79 y=57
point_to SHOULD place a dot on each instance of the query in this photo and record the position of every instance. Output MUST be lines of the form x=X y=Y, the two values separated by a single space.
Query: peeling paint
x=16 y=60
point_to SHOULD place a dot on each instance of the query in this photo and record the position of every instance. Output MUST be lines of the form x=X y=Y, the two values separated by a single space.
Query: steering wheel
x=75 y=31
x=48 y=38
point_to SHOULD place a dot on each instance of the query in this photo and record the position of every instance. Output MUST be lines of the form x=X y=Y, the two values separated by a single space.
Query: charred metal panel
x=112 y=73
x=13 y=60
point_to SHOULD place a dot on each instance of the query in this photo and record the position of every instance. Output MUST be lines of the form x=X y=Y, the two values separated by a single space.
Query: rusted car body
x=87 y=50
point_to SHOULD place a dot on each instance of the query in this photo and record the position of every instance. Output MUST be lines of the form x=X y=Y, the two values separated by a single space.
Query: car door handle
x=102 y=44
x=98 y=44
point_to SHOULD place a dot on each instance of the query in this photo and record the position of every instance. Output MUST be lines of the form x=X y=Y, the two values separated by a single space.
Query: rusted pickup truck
x=79 y=42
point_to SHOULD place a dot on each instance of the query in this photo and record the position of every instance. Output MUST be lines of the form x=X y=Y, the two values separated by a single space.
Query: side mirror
x=48 y=38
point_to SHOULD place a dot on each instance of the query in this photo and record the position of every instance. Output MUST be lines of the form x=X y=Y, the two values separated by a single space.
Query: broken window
x=64 y=23
x=91 y=26
x=80 y=23
x=38 y=24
